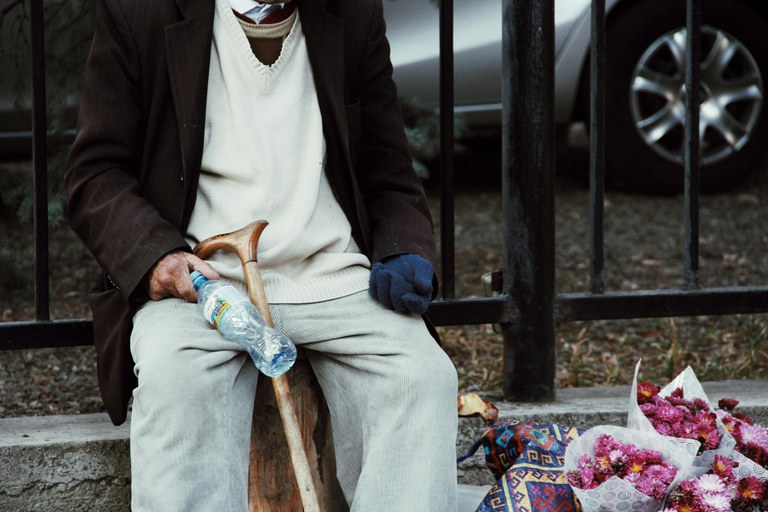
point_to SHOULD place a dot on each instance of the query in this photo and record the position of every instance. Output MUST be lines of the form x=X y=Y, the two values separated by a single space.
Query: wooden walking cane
x=244 y=243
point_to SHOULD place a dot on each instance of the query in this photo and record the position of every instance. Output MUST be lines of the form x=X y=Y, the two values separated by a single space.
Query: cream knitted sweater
x=263 y=158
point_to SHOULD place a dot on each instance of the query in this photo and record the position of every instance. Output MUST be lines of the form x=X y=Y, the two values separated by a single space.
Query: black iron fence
x=528 y=309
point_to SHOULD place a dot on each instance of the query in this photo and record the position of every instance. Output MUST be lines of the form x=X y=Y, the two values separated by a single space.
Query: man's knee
x=180 y=377
x=443 y=372
x=432 y=373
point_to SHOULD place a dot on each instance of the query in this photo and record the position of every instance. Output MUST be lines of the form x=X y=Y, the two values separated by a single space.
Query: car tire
x=636 y=157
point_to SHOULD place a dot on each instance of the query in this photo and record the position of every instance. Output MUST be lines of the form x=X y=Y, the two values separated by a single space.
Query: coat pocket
x=112 y=323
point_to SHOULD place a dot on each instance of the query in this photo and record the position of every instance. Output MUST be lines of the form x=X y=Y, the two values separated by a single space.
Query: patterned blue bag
x=527 y=459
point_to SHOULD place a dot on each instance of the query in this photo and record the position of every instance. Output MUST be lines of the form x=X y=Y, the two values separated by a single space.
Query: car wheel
x=645 y=95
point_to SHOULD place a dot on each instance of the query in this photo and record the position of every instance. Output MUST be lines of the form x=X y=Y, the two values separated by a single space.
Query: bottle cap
x=197 y=279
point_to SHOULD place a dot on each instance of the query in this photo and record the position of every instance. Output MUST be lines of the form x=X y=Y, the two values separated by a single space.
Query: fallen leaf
x=472 y=405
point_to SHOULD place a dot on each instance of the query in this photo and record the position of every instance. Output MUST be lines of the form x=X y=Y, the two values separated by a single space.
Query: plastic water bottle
x=238 y=320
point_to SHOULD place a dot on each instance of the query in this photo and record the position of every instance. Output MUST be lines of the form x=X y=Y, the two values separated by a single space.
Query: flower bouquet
x=615 y=468
x=681 y=411
x=719 y=489
x=751 y=439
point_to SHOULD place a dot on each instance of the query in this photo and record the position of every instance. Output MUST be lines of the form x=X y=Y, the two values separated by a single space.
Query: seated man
x=198 y=117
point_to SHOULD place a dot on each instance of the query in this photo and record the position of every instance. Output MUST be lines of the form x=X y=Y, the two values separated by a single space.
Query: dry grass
x=644 y=248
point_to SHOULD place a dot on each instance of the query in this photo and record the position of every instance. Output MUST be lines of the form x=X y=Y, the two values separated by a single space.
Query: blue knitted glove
x=402 y=283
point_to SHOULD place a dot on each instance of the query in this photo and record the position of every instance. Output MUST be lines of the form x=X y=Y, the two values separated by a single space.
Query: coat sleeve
x=398 y=211
x=125 y=233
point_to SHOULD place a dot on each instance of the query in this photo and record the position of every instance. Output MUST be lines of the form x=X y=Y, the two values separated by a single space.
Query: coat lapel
x=188 y=46
x=325 y=45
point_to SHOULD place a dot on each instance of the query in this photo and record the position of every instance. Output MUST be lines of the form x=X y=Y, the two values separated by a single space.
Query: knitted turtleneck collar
x=268 y=31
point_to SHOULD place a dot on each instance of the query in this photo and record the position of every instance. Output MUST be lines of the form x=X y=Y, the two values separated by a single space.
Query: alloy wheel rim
x=731 y=96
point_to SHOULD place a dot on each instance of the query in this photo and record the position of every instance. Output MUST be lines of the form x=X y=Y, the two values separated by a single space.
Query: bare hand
x=169 y=277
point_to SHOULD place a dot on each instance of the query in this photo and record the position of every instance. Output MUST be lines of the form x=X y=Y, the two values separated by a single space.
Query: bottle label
x=220 y=302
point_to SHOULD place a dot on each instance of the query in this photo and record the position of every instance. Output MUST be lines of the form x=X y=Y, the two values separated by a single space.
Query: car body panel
x=413 y=30
x=414 y=33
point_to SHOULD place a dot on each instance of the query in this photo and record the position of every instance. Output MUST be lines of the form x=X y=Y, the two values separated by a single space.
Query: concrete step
x=64 y=463
x=81 y=463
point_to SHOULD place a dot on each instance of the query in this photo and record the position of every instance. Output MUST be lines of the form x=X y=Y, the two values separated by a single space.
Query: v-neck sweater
x=264 y=158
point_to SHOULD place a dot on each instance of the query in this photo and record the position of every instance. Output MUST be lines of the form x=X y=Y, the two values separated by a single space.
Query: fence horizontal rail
x=79 y=332
x=569 y=307
x=492 y=310
x=46 y=333
x=661 y=303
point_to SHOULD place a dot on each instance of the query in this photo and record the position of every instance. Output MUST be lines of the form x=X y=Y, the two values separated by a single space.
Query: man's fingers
x=423 y=286
x=415 y=303
x=184 y=288
x=201 y=265
x=423 y=275
x=398 y=289
x=373 y=281
x=169 y=277
x=156 y=293
x=383 y=284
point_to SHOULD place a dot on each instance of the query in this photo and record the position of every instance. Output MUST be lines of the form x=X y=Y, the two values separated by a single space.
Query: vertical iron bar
x=692 y=141
x=597 y=145
x=528 y=197
x=447 y=187
x=40 y=161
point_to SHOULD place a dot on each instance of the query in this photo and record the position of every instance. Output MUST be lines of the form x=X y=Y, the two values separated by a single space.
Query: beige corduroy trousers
x=390 y=388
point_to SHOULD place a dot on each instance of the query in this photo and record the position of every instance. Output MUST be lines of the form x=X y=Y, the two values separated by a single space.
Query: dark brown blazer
x=132 y=172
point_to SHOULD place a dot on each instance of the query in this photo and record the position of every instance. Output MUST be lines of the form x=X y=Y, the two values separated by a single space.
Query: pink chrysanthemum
x=636 y=464
x=677 y=393
x=729 y=404
x=754 y=435
x=706 y=433
x=750 y=489
x=668 y=413
x=646 y=392
x=604 y=444
x=710 y=484
x=723 y=467
x=650 y=456
x=648 y=486
x=616 y=456
x=666 y=430
x=743 y=417
x=728 y=420
x=656 y=479
x=700 y=404
x=715 y=503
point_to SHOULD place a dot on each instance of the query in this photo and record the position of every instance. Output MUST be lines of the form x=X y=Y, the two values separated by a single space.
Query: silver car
x=645 y=79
